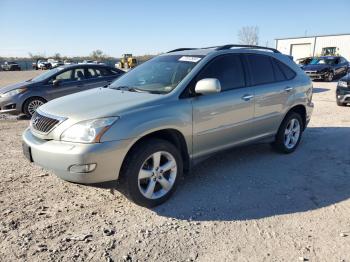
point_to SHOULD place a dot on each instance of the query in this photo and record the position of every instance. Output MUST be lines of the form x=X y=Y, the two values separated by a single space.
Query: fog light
x=85 y=168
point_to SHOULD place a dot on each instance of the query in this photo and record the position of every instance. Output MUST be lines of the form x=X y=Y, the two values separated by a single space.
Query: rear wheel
x=32 y=104
x=151 y=172
x=289 y=134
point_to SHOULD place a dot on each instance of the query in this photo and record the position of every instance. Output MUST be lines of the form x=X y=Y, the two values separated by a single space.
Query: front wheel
x=330 y=77
x=31 y=105
x=340 y=103
x=289 y=134
x=151 y=172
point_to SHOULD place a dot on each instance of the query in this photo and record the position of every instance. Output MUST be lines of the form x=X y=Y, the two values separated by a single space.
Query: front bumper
x=316 y=76
x=9 y=106
x=343 y=94
x=59 y=156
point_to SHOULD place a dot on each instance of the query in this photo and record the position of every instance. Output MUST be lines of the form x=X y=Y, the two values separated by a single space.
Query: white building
x=301 y=47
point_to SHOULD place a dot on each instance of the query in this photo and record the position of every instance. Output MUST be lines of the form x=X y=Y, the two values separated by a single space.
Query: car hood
x=15 y=86
x=315 y=67
x=97 y=103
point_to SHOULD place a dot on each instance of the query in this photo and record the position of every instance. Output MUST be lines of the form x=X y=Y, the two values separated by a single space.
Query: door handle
x=288 y=89
x=247 y=97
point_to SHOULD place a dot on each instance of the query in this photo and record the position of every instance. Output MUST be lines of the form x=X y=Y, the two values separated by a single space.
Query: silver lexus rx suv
x=155 y=122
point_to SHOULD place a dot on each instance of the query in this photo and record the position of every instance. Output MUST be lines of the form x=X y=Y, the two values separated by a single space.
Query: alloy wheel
x=33 y=106
x=157 y=175
x=292 y=133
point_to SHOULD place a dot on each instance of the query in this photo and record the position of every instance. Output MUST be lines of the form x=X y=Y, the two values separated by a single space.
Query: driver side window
x=65 y=76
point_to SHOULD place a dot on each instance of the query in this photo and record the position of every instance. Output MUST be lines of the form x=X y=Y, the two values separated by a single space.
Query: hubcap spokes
x=292 y=133
x=157 y=175
x=32 y=107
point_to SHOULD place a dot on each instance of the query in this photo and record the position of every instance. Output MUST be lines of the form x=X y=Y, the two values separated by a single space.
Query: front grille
x=43 y=124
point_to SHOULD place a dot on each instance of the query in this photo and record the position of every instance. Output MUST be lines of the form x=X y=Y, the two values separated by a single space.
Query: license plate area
x=27 y=152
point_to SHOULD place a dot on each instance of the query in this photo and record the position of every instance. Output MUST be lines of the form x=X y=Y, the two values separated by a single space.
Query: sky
x=77 y=27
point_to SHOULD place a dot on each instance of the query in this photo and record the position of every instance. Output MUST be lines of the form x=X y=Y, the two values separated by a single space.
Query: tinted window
x=227 y=69
x=261 y=69
x=287 y=71
x=279 y=75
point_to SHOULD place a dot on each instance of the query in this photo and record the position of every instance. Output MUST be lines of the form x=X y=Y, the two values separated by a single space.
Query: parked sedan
x=10 y=66
x=326 y=67
x=343 y=91
x=26 y=97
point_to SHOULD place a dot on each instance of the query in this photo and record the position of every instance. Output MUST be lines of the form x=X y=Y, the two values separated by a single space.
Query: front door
x=223 y=119
x=67 y=84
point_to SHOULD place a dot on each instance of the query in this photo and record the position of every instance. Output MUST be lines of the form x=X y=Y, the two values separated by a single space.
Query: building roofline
x=311 y=36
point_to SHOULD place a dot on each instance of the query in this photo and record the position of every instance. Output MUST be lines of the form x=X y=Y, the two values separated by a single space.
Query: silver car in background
x=158 y=120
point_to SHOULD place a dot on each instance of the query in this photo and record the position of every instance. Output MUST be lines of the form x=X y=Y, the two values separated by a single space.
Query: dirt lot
x=247 y=204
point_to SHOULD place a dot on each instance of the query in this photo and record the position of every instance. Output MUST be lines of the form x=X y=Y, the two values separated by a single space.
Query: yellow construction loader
x=127 y=61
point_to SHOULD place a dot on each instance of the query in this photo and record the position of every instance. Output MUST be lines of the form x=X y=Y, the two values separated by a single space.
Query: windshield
x=47 y=74
x=158 y=75
x=322 y=61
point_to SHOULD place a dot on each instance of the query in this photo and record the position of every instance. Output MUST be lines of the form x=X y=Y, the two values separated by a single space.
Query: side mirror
x=55 y=83
x=208 y=86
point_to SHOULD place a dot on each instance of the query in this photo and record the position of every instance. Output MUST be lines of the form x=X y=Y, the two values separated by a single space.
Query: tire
x=32 y=104
x=330 y=77
x=281 y=143
x=340 y=103
x=139 y=174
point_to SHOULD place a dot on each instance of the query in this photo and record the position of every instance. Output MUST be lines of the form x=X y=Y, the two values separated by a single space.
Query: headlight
x=14 y=92
x=342 y=84
x=89 y=131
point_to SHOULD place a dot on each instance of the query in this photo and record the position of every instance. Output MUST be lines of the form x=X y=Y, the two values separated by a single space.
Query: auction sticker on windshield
x=192 y=59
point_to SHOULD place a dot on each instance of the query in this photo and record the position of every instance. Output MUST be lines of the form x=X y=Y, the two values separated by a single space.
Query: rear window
x=287 y=71
x=261 y=69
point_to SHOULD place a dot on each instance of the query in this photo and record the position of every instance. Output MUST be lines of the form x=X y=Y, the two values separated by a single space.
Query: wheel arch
x=171 y=135
x=29 y=98
x=301 y=110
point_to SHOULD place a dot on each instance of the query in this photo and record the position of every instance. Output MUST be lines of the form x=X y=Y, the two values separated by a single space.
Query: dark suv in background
x=326 y=67
x=10 y=66
x=26 y=97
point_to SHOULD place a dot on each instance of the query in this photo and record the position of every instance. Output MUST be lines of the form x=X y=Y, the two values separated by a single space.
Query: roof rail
x=184 y=49
x=181 y=49
x=224 y=47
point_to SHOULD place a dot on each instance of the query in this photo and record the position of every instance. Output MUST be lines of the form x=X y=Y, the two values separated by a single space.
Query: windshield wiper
x=129 y=88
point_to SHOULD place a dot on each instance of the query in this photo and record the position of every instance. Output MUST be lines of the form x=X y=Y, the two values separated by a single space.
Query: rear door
x=223 y=119
x=97 y=77
x=273 y=88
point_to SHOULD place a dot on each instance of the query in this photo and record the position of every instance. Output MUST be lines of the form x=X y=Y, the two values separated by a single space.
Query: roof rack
x=181 y=49
x=184 y=49
x=225 y=47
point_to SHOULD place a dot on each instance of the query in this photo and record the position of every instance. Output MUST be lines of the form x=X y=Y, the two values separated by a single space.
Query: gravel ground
x=246 y=204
